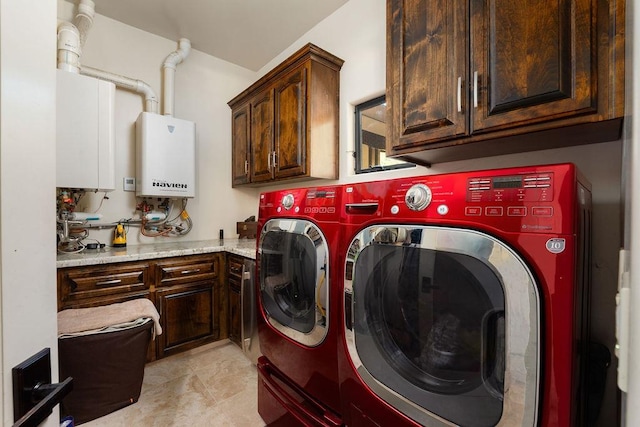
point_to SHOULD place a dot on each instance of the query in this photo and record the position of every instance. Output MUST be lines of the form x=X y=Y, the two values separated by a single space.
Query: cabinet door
x=235 y=314
x=262 y=137
x=291 y=124
x=241 y=125
x=186 y=316
x=427 y=81
x=532 y=61
x=234 y=277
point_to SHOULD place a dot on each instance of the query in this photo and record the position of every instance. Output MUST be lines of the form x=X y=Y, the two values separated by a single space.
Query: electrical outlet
x=129 y=184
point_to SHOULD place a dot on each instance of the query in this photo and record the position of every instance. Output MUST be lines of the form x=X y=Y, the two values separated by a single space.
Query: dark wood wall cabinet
x=285 y=126
x=187 y=291
x=477 y=78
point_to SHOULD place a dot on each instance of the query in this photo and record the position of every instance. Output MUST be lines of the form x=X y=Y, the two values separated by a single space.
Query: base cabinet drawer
x=187 y=269
x=107 y=284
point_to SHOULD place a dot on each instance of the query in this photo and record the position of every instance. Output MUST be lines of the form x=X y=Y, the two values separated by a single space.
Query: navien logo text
x=164 y=184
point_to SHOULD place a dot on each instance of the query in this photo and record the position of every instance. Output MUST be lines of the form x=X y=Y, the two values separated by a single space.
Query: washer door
x=443 y=325
x=294 y=279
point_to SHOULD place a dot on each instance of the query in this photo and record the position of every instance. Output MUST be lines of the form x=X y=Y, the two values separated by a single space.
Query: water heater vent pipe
x=84 y=19
x=71 y=38
x=169 y=71
x=69 y=48
x=138 y=86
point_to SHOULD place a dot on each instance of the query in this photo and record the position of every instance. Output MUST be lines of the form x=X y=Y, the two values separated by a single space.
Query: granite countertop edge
x=242 y=247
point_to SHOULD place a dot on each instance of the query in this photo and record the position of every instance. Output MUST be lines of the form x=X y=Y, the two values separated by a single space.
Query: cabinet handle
x=109 y=282
x=459 y=94
x=195 y=270
x=475 y=89
x=274 y=159
x=246 y=167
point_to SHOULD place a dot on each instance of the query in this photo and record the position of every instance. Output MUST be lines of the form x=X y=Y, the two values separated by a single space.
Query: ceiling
x=248 y=33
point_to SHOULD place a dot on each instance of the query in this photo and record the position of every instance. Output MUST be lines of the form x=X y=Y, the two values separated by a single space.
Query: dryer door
x=443 y=325
x=294 y=279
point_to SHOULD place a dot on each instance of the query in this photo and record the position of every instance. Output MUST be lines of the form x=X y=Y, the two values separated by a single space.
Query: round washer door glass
x=294 y=279
x=429 y=328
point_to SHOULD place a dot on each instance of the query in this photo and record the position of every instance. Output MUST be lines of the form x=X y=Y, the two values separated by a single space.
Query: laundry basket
x=104 y=350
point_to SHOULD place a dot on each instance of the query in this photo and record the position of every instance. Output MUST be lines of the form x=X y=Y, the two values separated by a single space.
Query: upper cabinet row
x=473 y=78
x=285 y=126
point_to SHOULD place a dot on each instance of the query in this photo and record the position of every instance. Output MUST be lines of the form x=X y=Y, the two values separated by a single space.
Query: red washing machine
x=466 y=299
x=298 y=300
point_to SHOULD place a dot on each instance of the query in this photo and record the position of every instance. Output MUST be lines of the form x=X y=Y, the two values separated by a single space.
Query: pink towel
x=94 y=318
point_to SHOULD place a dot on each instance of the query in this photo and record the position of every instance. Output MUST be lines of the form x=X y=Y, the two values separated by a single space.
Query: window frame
x=359 y=146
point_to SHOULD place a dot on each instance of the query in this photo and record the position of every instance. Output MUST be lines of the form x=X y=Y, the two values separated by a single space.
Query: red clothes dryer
x=298 y=300
x=466 y=299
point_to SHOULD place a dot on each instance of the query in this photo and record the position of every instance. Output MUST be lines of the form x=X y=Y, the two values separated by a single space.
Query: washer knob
x=287 y=201
x=418 y=197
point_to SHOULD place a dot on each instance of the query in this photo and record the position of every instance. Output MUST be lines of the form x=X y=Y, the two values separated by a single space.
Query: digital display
x=507 y=182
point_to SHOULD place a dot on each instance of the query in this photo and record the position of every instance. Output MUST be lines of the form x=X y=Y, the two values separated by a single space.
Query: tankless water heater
x=165 y=156
x=85 y=135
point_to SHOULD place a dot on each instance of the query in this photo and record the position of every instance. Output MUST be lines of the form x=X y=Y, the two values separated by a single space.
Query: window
x=370 y=138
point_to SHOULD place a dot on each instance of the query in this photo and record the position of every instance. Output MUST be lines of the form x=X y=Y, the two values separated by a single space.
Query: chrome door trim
x=522 y=317
x=311 y=231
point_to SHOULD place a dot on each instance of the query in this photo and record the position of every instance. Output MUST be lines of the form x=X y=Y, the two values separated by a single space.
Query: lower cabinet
x=234 y=279
x=235 y=315
x=188 y=300
x=187 y=292
x=186 y=317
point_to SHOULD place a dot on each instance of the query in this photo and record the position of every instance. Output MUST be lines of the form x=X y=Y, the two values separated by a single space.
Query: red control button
x=516 y=211
x=493 y=211
x=473 y=211
x=542 y=211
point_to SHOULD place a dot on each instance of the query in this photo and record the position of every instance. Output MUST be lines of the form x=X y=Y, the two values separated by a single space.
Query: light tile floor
x=212 y=385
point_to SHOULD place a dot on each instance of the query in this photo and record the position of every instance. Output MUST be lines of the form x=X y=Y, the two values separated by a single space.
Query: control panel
x=536 y=187
x=320 y=202
x=418 y=197
x=527 y=199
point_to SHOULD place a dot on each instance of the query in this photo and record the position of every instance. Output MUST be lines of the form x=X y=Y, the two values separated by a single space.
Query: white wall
x=27 y=173
x=203 y=86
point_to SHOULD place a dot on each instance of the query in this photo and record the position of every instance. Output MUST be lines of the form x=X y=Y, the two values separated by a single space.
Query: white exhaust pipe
x=69 y=48
x=71 y=38
x=84 y=19
x=169 y=71
x=138 y=86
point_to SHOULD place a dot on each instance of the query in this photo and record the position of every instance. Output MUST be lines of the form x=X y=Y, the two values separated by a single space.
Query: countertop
x=242 y=247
